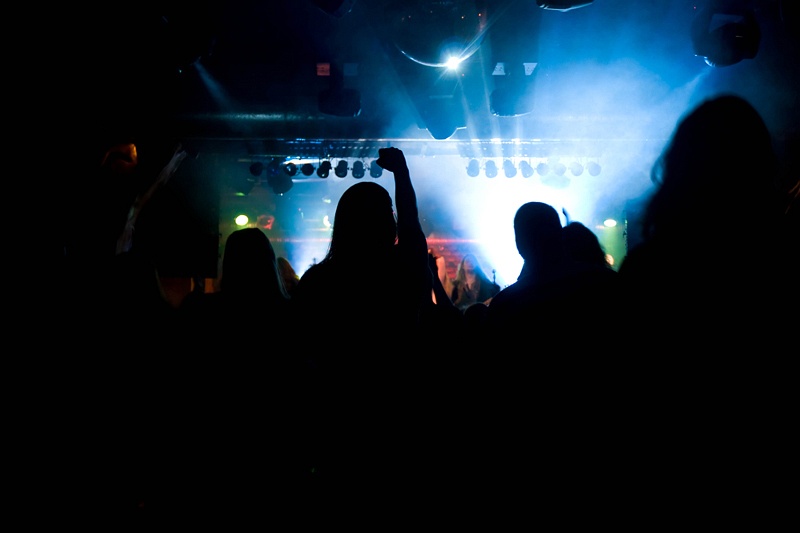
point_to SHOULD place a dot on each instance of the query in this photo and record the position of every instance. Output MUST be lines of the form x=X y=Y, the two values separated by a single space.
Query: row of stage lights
x=358 y=170
x=291 y=169
x=474 y=167
x=491 y=170
x=279 y=173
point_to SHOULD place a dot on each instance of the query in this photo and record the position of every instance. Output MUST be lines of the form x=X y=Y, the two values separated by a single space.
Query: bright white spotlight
x=452 y=63
x=431 y=33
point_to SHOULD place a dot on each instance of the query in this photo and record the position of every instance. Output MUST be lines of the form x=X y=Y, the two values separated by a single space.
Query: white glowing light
x=242 y=220
x=453 y=62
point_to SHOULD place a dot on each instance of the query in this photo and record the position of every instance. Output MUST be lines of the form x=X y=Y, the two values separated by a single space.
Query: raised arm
x=410 y=237
x=408 y=225
x=125 y=240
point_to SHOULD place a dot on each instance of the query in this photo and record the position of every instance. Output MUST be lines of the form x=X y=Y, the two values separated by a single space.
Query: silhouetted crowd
x=326 y=399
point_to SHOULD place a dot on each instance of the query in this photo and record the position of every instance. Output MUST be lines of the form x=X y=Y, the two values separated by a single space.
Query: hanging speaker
x=725 y=36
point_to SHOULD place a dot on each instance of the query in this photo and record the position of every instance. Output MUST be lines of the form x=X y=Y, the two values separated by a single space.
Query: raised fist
x=391 y=159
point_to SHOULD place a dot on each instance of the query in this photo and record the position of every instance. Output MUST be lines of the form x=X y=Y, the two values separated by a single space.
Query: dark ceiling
x=245 y=71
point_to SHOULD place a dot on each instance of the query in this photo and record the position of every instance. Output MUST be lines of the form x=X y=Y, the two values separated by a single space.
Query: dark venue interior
x=592 y=84
x=283 y=104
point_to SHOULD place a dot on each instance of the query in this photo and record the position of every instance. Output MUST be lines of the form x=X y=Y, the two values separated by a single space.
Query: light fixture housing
x=358 y=170
x=526 y=169
x=341 y=169
x=490 y=169
x=280 y=184
x=257 y=168
x=273 y=168
x=473 y=168
x=543 y=168
x=307 y=169
x=375 y=170
x=324 y=169
x=509 y=169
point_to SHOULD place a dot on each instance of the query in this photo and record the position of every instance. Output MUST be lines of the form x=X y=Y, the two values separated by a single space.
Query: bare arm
x=439 y=292
x=409 y=229
x=410 y=236
x=125 y=240
x=393 y=160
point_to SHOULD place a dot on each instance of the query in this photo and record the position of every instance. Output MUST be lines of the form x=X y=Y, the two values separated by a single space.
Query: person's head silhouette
x=537 y=230
x=582 y=244
x=249 y=264
x=364 y=224
x=720 y=162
